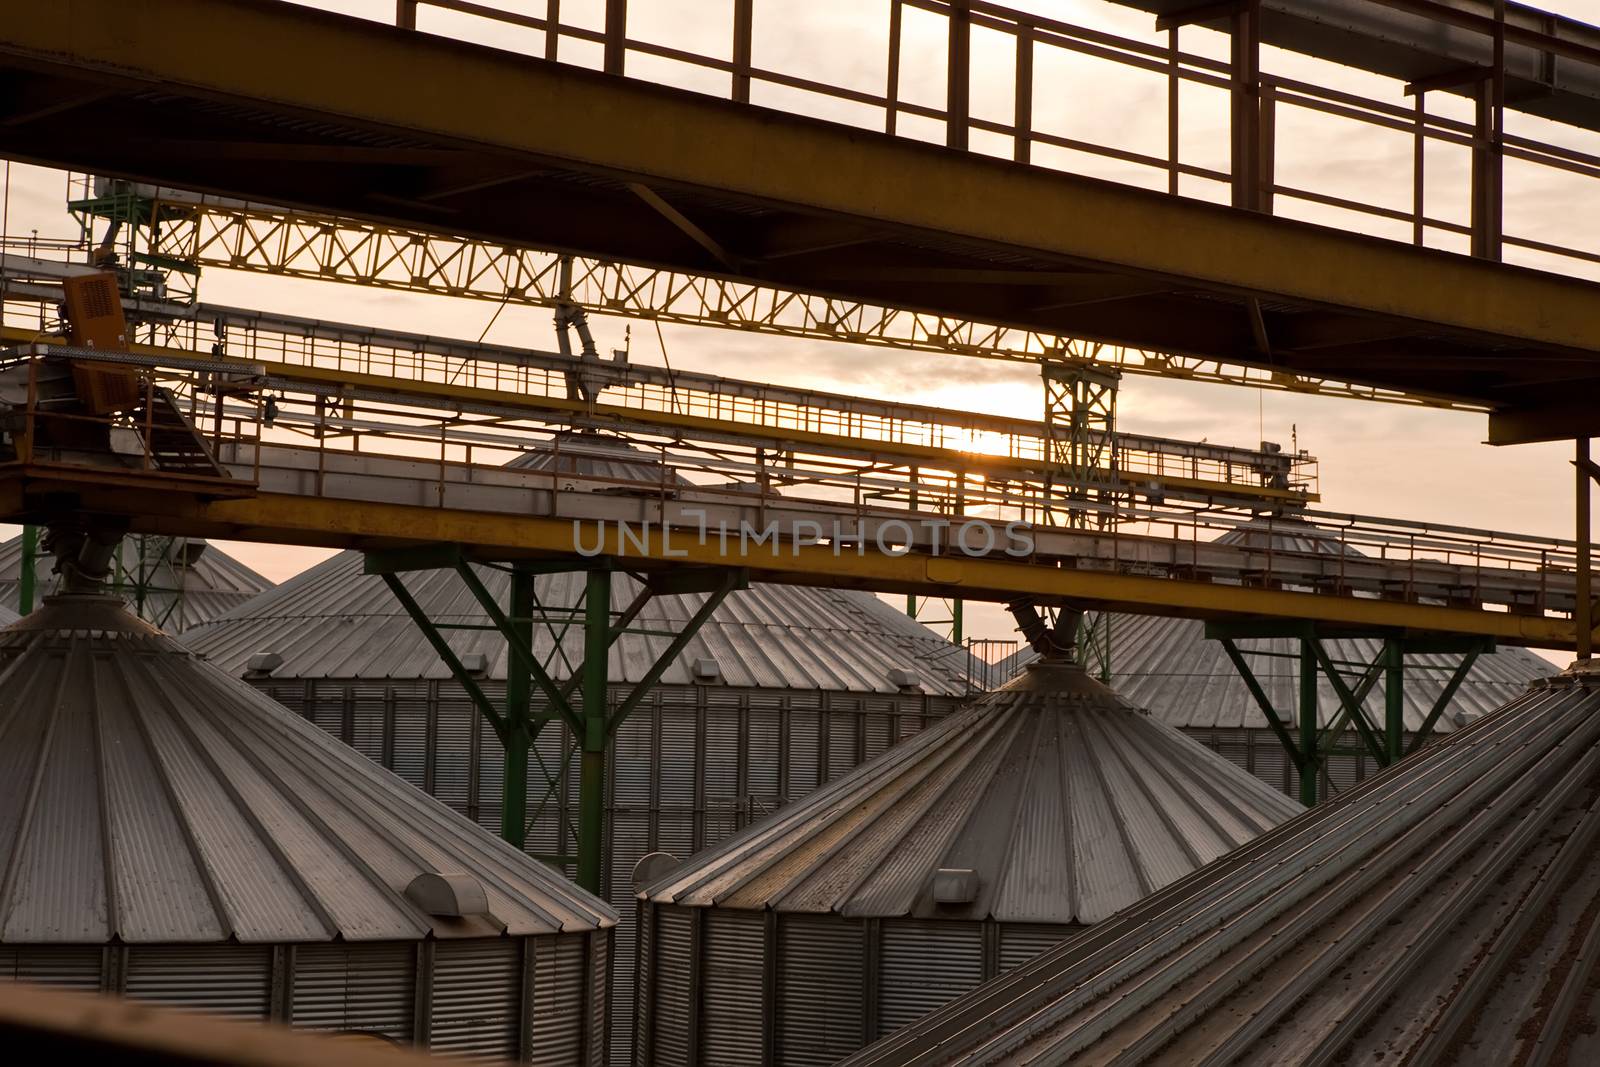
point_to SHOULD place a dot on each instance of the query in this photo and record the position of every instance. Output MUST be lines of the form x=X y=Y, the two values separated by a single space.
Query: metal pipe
x=1394 y=698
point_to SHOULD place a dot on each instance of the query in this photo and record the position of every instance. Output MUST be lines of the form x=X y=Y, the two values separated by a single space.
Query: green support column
x=1394 y=698
x=955 y=622
x=592 y=769
x=518 y=740
x=30 y=566
x=1308 y=724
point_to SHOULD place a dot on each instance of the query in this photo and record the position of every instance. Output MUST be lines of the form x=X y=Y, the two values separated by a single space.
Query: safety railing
x=921 y=55
x=688 y=396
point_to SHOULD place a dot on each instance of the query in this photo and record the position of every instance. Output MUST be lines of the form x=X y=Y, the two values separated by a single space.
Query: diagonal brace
x=1273 y=719
x=1445 y=696
x=524 y=657
x=446 y=653
x=1353 y=703
x=734 y=579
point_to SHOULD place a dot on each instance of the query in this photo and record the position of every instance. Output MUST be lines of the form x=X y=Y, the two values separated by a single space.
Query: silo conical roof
x=145 y=796
x=1443 y=912
x=1061 y=799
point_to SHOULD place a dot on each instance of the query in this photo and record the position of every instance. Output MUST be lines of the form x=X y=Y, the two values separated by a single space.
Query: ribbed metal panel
x=229 y=979
x=334 y=621
x=368 y=988
x=821 y=989
x=1020 y=942
x=598 y=1025
x=561 y=992
x=1445 y=911
x=670 y=1004
x=732 y=1018
x=640 y=1000
x=477 y=997
x=68 y=966
x=1065 y=801
x=923 y=965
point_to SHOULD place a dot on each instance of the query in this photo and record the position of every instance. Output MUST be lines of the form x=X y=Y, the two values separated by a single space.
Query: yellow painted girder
x=449 y=93
x=282 y=518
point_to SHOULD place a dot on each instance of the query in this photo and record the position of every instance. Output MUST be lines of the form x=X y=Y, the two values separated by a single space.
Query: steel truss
x=533 y=697
x=1307 y=744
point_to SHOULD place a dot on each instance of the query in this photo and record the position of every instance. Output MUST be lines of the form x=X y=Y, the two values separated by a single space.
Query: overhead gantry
x=388 y=124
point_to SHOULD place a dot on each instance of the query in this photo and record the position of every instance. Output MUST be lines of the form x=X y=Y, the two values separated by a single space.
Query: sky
x=1375 y=459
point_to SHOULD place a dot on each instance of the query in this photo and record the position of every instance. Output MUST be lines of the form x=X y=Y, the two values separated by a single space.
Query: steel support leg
x=519 y=732
x=30 y=567
x=1394 y=699
x=1310 y=763
x=592 y=769
x=1583 y=604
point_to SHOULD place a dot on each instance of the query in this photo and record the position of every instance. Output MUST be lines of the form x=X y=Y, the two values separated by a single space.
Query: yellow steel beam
x=289 y=519
x=499 y=112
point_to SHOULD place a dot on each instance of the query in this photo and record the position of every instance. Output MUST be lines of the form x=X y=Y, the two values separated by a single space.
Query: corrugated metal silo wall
x=690 y=766
x=537 y=999
x=748 y=989
x=1262 y=754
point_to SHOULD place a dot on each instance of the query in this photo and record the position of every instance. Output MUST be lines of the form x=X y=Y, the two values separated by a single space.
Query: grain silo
x=169 y=833
x=1186 y=680
x=782 y=690
x=175 y=583
x=1442 y=912
x=1044 y=807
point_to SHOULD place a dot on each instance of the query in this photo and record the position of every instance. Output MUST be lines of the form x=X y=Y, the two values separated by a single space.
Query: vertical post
x=1022 y=110
x=1309 y=763
x=1419 y=158
x=911 y=605
x=30 y=567
x=891 y=92
x=592 y=769
x=1487 y=153
x=743 y=17
x=616 y=47
x=1583 y=602
x=1173 y=85
x=552 y=28
x=518 y=739
x=1394 y=698
x=958 y=74
x=405 y=14
x=955 y=622
x=1246 y=119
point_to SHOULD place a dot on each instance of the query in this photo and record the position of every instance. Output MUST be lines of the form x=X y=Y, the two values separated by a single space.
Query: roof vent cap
x=475 y=662
x=903 y=680
x=955 y=885
x=706 y=670
x=448 y=895
x=263 y=663
x=651 y=868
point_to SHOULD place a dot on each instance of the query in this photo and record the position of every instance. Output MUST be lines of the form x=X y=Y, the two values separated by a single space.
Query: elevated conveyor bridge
x=413 y=129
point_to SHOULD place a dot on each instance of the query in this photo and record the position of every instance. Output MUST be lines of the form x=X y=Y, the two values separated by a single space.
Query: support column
x=1394 y=698
x=958 y=74
x=1246 y=118
x=592 y=769
x=1583 y=603
x=30 y=568
x=1309 y=763
x=518 y=739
